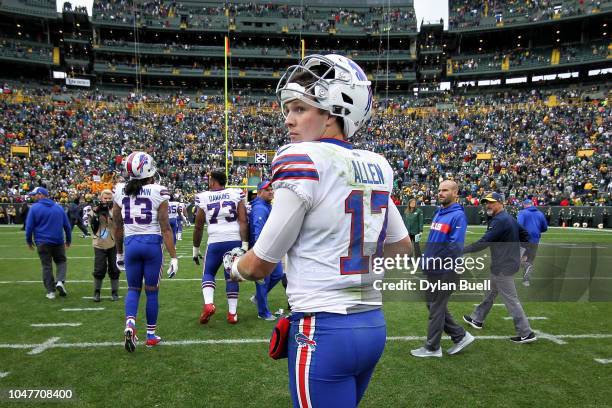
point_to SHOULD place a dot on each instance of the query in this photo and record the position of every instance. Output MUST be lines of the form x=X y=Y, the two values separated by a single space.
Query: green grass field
x=219 y=365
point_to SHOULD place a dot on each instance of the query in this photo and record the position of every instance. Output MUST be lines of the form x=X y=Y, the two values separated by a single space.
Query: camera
x=102 y=209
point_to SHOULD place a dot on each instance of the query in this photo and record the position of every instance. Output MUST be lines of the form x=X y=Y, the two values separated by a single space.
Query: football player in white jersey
x=175 y=210
x=140 y=211
x=332 y=213
x=224 y=210
x=182 y=216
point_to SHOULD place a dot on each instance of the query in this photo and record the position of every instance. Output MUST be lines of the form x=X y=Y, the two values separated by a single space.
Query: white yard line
x=4 y=374
x=52 y=342
x=101 y=297
x=71 y=245
x=529 y=318
x=56 y=324
x=604 y=360
x=44 y=346
x=551 y=337
x=32 y=258
x=81 y=309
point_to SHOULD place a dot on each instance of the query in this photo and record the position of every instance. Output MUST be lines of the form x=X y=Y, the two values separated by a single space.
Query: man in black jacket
x=503 y=236
x=75 y=216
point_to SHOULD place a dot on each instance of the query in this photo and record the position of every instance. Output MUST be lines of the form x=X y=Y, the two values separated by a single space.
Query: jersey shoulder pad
x=200 y=198
x=118 y=193
x=294 y=162
x=238 y=194
x=163 y=191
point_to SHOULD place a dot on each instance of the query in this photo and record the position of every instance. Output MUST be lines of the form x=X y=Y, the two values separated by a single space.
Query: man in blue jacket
x=260 y=211
x=45 y=226
x=445 y=242
x=503 y=236
x=534 y=221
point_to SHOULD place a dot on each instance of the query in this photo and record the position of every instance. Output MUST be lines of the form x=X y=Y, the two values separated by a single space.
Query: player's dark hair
x=219 y=176
x=133 y=187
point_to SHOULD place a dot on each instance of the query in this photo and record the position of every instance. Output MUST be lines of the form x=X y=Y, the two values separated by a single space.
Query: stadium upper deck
x=180 y=44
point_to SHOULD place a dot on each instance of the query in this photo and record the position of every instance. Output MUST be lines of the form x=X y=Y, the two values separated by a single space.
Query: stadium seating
x=481 y=141
x=465 y=15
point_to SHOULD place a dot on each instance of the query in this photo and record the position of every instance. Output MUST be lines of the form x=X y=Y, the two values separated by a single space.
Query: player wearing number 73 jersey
x=224 y=210
x=332 y=214
x=140 y=211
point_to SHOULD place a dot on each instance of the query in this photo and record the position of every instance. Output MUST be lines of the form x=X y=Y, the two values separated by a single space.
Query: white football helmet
x=140 y=165
x=336 y=84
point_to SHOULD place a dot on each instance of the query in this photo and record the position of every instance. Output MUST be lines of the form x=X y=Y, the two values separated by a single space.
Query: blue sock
x=152 y=310
x=131 y=303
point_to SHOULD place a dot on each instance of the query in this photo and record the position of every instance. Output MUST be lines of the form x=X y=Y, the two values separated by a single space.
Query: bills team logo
x=362 y=77
x=142 y=160
x=304 y=341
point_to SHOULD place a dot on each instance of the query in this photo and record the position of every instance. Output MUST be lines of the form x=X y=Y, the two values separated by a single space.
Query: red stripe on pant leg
x=304 y=400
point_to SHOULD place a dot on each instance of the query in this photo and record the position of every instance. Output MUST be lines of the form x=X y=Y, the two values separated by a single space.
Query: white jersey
x=175 y=209
x=139 y=213
x=346 y=193
x=221 y=210
x=87 y=210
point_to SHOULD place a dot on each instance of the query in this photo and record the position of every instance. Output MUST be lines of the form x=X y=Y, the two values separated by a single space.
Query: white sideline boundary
x=90 y=281
x=81 y=309
x=37 y=348
x=56 y=324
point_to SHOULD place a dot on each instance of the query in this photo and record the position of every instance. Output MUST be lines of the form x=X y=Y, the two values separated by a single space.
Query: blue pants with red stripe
x=332 y=357
x=213 y=259
x=143 y=261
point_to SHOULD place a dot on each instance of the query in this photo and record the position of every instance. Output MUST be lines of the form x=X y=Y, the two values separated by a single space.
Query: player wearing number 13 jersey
x=224 y=210
x=141 y=212
x=332 y=213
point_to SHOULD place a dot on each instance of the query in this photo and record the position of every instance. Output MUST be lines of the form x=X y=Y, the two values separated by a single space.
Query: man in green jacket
x=413 y=218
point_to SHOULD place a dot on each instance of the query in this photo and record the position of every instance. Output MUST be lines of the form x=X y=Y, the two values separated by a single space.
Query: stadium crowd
x=210 y=15
x=513 y=143
x=474 y=13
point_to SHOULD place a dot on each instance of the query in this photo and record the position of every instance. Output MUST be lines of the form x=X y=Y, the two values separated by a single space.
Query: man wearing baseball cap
x=260 y=211
x=45 y=226
x=504 y=236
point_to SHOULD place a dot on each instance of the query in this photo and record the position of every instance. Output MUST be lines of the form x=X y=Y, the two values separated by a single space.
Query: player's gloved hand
x=121 y=262
x=230 y=261
x=417 y=237
x=196 y=255
x=173 y=269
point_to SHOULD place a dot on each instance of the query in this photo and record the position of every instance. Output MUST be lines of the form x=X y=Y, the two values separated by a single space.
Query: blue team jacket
x=260 y=211
x=48 y=222
x=446 y=238
x=534 y=222
x=504 y=236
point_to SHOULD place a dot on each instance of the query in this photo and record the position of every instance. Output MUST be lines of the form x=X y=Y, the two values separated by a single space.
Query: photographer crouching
x=101 y=222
